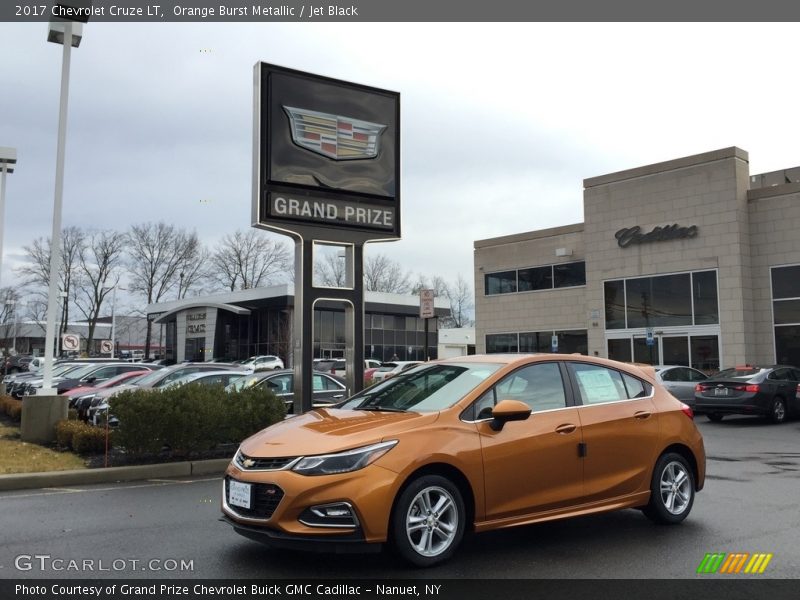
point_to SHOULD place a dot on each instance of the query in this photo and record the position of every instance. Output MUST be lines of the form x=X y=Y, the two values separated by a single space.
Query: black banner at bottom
x=426 y=588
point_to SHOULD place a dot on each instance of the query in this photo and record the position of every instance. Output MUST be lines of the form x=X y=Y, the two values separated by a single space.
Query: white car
x=263 y=363
x=390 y=369
x=340 y=371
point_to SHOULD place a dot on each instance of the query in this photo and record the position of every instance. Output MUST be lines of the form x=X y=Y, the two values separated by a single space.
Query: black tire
x=777 y=411
x=429 y=543
x=715 y=417
x=671 y=496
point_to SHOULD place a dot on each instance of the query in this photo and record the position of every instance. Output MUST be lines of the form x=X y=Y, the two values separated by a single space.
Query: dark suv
x=747 y=390
x=16 y=364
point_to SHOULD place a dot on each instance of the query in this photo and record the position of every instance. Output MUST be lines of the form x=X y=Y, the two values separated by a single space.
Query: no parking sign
x=70 y=342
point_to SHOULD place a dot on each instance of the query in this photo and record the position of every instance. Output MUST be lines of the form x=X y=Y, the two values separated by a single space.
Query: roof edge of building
x=669 y=165
x=774 y=190
x=529 y=235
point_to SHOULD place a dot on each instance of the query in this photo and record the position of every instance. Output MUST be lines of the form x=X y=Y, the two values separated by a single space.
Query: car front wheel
x=428 y=521
x=671 y=490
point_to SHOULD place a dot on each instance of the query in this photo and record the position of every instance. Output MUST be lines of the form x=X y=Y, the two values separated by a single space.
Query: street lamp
x=68 y=34
x=114 y=319
x=8 y=160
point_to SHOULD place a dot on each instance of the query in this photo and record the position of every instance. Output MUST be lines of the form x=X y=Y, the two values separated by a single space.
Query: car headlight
x=343 y=462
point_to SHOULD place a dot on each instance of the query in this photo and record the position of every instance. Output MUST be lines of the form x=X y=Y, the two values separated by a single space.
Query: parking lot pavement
x=749 y=505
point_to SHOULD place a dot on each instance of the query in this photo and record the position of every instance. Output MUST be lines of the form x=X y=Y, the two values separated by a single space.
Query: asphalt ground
x=749 y=504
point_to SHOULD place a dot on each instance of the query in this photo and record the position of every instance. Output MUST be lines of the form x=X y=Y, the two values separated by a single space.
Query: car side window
x=319 y=383
x=282 y=384
x=540 y=386
x=778 y=375
x=696 y=375
x=669 y=375
x=636 y=388
x=484 y=405
x=597 y=384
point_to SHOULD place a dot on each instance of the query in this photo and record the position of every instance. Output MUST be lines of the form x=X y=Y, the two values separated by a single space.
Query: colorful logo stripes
x=736 y=562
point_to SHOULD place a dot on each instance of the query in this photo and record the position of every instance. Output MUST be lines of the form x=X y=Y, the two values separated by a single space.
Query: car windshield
x=64 y=369
x=426 y=388
x=83 y=371
x=387 y=367
x=151 y=378
x=244 y=383
x=738 y=373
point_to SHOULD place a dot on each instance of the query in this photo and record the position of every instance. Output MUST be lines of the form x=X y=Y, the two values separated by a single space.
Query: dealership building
x=237 y=325
x=693 y=261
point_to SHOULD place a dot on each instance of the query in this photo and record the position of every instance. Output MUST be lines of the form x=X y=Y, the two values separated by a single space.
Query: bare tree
x=331 y=270
x=462 y=303
x=193 y=272
x=381 y=274
x=36 y=273
x=100 y=269
x=249 y=260
x=159 y=256
x=9 y=301
x=437 y=283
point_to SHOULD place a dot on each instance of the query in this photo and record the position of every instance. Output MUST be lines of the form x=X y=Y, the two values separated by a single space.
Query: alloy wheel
x=676 y=489
x=432 y=521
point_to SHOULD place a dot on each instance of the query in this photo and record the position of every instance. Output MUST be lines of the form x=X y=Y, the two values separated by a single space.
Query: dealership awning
x=169 y=316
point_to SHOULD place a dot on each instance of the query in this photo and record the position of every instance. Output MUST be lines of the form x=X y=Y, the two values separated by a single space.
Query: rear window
x=738 y=373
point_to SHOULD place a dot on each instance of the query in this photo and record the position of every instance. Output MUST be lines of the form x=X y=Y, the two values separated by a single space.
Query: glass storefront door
x=698 y=349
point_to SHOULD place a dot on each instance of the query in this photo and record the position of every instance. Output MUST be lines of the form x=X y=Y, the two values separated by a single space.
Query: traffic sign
x=71 y=342
x=426 y=298
x=650 y=340
x=554 y=343
x=106 y=347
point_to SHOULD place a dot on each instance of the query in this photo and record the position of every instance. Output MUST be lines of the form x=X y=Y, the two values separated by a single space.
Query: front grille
x=262 y=464
x=264 y=499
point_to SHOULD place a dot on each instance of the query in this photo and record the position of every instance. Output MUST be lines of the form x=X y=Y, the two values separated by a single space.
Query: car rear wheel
x=671 y=490
x=777 y=412
x=428 y=521
x=716 y=417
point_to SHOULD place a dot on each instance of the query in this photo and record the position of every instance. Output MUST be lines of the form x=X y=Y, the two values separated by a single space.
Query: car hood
x=331 y=430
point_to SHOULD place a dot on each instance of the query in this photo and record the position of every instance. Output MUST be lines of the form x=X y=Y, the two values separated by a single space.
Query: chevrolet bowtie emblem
x=334 y=136
x=248 y=463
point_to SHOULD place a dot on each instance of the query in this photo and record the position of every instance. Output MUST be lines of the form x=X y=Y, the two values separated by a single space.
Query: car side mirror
x=508 y=410
x=91 y=379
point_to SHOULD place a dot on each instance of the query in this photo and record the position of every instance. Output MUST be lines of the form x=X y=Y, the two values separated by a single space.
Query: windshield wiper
x=377 y=407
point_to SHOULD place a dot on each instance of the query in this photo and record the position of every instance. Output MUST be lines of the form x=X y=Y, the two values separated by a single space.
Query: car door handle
x=337 y=396
x=642 y=414
x=566 y=428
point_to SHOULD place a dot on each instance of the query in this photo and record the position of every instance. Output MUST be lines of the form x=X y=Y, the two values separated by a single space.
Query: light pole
x=68 y=34
x=114 y=320
x=8 y=159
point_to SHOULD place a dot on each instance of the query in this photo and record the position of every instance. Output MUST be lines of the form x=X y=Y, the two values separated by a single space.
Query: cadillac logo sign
x=334 y=136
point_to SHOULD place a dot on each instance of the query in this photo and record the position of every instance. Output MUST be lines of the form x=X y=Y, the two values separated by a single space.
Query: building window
x=501 y=343
x=569 y=274
x=501 y=283
x=662 y=301
x=786 y=314
x=532 y=279
x=536 y=278
x=569 y=341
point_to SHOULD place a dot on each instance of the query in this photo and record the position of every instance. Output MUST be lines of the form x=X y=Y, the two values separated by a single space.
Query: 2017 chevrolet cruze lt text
x=468 y=444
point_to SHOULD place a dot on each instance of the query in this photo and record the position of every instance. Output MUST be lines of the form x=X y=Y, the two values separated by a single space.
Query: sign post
x=326 y=169
x=426 y=311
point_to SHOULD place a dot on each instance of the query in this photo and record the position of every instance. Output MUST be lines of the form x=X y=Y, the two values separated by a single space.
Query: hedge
x=11 y=407
x=191 y=418
x=81 y=437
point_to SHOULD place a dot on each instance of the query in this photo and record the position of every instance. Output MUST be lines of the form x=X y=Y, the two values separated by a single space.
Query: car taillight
x=687 y=410
x=752 y=388
x=700 y=387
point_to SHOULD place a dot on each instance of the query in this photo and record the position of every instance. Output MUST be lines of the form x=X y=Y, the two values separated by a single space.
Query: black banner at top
x=148 y=11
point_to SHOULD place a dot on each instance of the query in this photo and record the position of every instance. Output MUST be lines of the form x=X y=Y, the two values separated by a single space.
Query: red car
x=80 y=398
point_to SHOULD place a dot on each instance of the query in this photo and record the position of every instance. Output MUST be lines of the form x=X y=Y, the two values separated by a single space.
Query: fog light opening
x=337 y=514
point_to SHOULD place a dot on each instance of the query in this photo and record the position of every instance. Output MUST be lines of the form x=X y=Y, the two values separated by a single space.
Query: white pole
x=113 y=322
x=55 y=243
x=2 y=211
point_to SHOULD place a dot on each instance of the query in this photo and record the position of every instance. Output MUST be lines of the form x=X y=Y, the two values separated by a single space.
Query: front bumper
x=342 y=544
x=369 y=491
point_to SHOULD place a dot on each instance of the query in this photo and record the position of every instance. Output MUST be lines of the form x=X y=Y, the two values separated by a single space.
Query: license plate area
x=239 y=493
x=721 y=391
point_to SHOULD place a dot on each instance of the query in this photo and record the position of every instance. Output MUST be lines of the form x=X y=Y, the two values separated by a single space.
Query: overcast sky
x=500 y=122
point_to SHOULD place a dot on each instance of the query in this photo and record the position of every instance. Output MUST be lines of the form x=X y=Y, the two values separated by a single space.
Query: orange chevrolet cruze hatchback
x=468 y=444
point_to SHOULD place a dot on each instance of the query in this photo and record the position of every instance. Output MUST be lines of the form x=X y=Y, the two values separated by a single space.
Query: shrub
x=11 y=407
x=72 y=414
x=91 y=440
x=66 y=430
x=192 y=417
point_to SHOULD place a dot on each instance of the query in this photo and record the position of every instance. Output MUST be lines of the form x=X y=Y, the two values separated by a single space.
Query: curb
x=51 y=479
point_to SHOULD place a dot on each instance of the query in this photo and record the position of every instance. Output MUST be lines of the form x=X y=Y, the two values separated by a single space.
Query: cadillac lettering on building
x=333 y=212
x=633 y=235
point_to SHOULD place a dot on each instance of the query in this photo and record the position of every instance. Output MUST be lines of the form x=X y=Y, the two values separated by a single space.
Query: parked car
x=469 y=443
x=223 y=378
x=90 y=374
x=16 y=384
x=339 y=367
x=390 y=369
x=266 y=362
x=80 y=398
x=327 y=389
x=16 y=364
x=680 y=381
x=746 y=390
